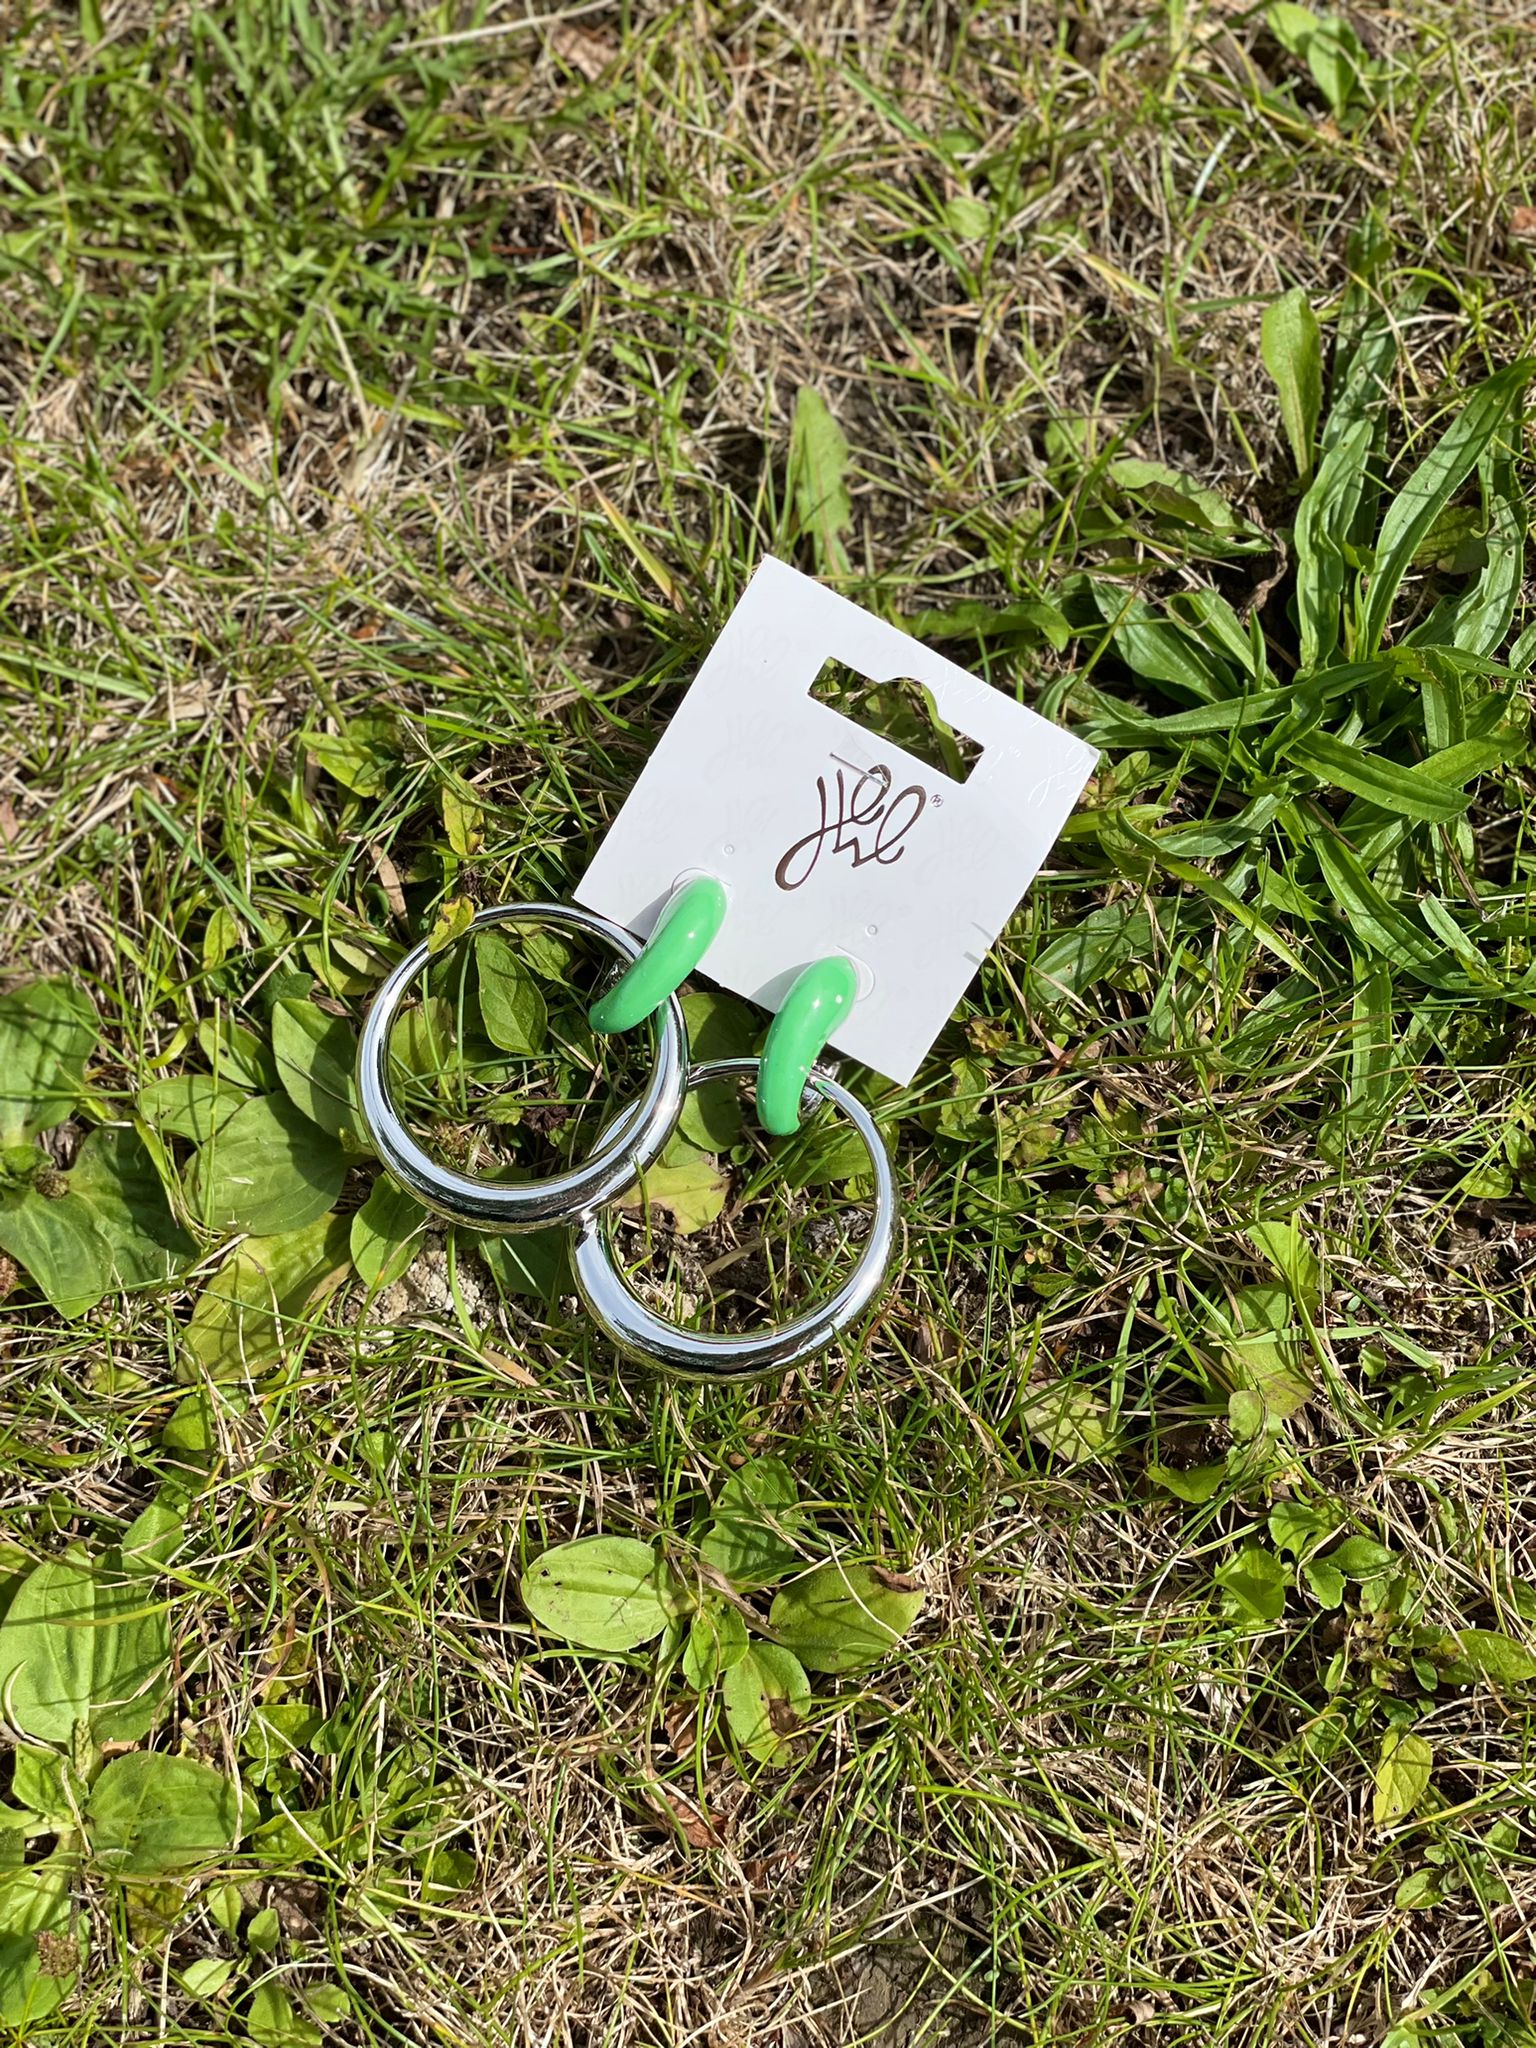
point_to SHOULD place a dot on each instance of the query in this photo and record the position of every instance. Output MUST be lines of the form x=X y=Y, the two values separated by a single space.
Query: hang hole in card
x=899 y=710
x=831 y=837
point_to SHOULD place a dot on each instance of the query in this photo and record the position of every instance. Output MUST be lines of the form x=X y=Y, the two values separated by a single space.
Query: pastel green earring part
x=816 y=1004
x=684 y=933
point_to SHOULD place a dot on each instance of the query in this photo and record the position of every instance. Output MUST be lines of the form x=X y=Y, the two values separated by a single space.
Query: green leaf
x=1490 y=1652
x=1402 y=1777
x=720 y=1027
x=83 y=1642
x=34 y=1900
x=386 y=1234
x=1404 y=791
x=1477 y=619
x=691 y=1191
x=361 y=757
x=273 y=2023
x=1372 y=920
x=1280 y=1243
x=1158 y=647
x=1030 y=621
x=263 y=1931
x=1090 y=951
x=1295 y=1527
x=463 y=821
x=58 y=1241
x=115 y=1177
x=1071 y=1421
x=1357 y=1557
x=1247 y=1414
x=1253 y=1585
x=316 y=1060
x=152 y=1538
x=45 y=1782
x=511 y=1003
x=189 y=1105
x=268 y=1170
x=766 y=1694
x=1323 y=521
x=753 y=1539
x=535 y=1263
x=818 y=472
x=236 y=1054
x=1326 y=1583
x=47 y=1031
x=601 y=1592
x=206 y=1976
x=150 y=1813
x=843 y=1617
x=1330 y=49
x=1487 y=412
x=1420 y=1888
x=254 y=1306
x=1293 y=355
x=717 y=1639
x=422 y=1043
x=1195 y=1484
x=1172 y=495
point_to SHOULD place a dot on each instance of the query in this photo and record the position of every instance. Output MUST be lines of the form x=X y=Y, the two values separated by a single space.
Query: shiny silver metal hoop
x=631 y=1143
x=701 y=1355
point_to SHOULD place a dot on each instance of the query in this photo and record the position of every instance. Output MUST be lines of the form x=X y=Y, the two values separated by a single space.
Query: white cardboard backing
x=829 y=838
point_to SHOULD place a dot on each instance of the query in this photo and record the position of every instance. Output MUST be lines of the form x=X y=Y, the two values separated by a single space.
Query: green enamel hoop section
x=684 y=933
x=817 y=1002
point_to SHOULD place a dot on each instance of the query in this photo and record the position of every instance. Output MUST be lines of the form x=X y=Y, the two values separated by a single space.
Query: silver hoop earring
x=630 y=1144
x=700 y=1355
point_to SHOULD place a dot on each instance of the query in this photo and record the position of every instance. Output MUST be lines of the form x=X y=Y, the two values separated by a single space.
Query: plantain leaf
x=189 y=1105
x=1253 y=1586
x=818 y=471
x=254 y=1306
x=47 y=1031
x=1487 y=412
x=1407 y=792
x=690 y=1190
x=1402 y=1777
x=766 y=1694
x=114 y=1176
x=1491 y=1654
x=268 y=1170
x=843 y=1617
x=57 y=1239
x=511 y=1003
x=601 y=1592
x=717 y=1639
x=150 y=1813
x=1324 y=519
x=720 y=1027
x=236 y=1054
x=1293 y=354
x=316 y=1060
x=386 y=1232
x=754 y=1538
x=34 y=1901
x=1477 y=619
x=87 y=1642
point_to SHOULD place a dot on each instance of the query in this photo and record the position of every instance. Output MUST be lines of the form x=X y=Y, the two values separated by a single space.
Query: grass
x=423 y=370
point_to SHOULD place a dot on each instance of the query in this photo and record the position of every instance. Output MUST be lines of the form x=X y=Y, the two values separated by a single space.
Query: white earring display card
x=829 y=838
